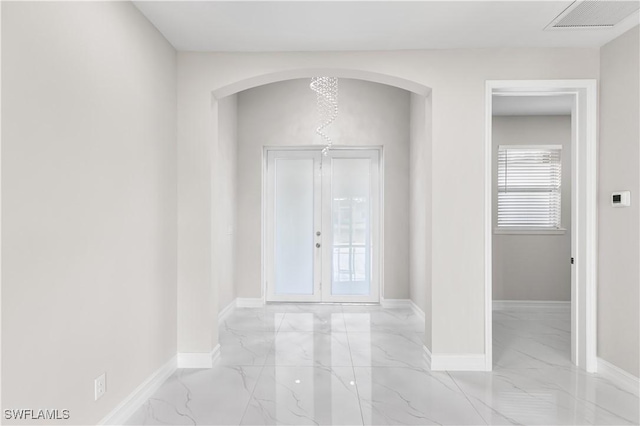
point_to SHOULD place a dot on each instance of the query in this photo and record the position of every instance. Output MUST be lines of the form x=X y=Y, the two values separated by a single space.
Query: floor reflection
x=331 y=364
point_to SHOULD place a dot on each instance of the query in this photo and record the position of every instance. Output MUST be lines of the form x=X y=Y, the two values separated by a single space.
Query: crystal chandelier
x=326 y=89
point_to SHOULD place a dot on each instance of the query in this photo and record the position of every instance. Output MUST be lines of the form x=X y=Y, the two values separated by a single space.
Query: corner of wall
x=420 y=209
x=619 y=228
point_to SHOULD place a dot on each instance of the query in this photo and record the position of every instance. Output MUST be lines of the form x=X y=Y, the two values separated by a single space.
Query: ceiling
x=263 y=26
x=532 y=105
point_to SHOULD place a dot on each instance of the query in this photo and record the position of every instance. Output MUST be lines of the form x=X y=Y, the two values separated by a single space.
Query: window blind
x=529 y=192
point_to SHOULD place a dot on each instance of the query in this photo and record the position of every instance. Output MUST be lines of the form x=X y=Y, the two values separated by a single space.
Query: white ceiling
x=366 y=25
x=532 y=105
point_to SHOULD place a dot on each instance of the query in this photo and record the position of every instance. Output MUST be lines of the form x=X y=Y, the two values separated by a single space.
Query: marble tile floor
x=300 y=364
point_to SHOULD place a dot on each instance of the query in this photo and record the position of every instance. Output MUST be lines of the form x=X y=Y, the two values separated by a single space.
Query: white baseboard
x=249 y=302
x=427 y=355
x=618 y=376
x=458 y=362
x=140 y=395
x=215 y=354
x=402 y=303
x=198 y=359
x=226 y=311
x=538 y=305
x=416 y=310
x=395 y=303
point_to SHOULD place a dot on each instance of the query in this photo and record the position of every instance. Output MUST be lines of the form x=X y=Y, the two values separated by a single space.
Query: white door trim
x=584 y=212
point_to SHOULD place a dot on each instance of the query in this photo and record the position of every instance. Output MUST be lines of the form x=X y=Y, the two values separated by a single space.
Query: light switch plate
x=621 y=198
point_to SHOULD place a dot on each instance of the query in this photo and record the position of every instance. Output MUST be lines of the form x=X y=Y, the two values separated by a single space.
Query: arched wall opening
x=224 y=224
x=374 y=77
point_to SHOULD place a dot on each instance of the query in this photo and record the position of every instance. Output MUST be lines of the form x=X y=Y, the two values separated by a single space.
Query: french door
x=322 y=225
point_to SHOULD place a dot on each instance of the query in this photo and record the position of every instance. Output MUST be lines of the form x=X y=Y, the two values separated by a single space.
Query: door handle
x=318 y=245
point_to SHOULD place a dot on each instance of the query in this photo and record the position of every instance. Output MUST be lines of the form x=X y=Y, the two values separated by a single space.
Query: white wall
x=619 y=228
x=197 y=296
x=89 y=204
x=533 y=267
x=285 y=113
x=458 y=78
x=225 y=206
x=420 y=208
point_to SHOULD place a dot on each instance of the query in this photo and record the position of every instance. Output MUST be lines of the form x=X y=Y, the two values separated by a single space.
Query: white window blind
x=529 y=179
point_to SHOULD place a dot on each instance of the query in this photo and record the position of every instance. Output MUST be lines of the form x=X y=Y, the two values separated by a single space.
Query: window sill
x=529 y=231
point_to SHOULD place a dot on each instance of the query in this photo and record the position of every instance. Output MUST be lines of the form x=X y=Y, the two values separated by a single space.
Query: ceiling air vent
x=594 y=14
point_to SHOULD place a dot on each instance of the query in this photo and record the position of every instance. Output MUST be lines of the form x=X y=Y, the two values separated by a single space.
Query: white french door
x=322 y=225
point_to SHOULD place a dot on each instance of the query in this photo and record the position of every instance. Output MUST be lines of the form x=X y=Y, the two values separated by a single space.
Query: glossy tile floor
x=353 y=365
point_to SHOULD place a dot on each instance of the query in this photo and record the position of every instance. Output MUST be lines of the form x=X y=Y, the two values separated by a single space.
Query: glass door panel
x=350 y=225
x=322 y=225
x=294 y=226
x=293 y=216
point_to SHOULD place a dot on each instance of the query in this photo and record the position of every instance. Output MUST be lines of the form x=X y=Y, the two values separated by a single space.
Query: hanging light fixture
x=326 y=89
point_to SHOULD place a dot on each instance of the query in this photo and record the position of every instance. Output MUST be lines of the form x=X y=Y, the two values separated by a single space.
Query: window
x=529 y=193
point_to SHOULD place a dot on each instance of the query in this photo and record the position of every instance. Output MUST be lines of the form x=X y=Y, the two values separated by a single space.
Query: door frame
x=379 y=269
x=584 y=209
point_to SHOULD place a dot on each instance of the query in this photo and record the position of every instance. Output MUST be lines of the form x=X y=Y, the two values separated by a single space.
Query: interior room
x=531 y=143
x=320 y=212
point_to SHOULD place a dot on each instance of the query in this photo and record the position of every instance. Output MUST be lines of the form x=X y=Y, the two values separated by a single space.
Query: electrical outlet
x=100 y=385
